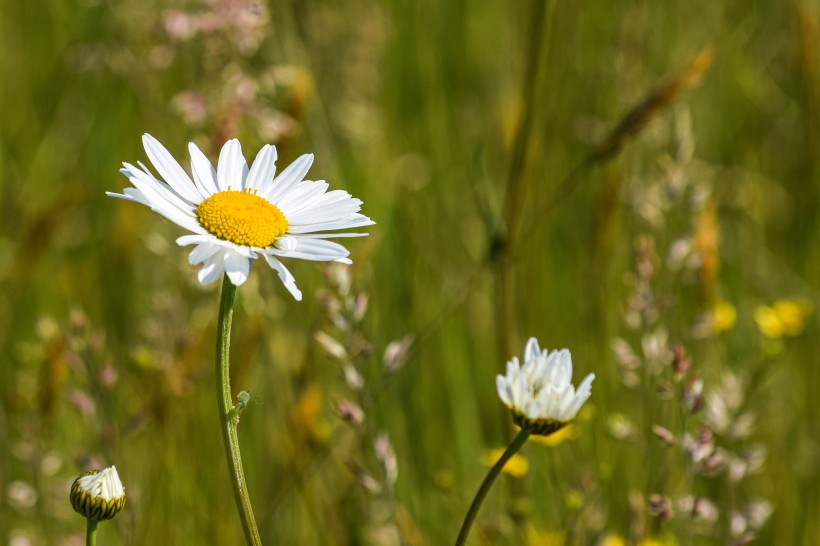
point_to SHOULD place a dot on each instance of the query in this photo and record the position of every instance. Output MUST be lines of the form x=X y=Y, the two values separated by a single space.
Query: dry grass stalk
x=656 y=102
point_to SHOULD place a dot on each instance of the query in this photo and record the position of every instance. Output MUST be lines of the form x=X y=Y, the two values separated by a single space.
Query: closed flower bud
x=98 y=494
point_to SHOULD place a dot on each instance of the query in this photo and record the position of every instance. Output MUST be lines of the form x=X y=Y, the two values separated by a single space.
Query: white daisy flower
x=540 y=394
x=98 y=494
x=237 y=214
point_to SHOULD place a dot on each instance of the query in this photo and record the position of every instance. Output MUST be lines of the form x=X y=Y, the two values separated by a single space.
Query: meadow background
x=635 y=181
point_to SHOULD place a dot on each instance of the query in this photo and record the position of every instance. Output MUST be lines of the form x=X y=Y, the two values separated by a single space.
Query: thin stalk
x=91 y=532
x=517 y=184
x=511 y=450
x=503 y=240
x=228 y=416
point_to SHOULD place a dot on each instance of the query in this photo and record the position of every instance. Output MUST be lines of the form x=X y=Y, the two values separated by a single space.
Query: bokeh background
x=636 y=181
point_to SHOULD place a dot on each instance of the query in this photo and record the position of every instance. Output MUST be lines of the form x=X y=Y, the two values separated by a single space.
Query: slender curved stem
x=91 y=532
x=227 y=415
x=511 y=450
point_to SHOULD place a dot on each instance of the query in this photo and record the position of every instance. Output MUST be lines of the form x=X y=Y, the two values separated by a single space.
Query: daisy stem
x=228 y=416
x=511 y=450
x=91 y=532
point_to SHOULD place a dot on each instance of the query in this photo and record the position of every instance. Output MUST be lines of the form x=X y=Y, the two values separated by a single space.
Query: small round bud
x=98 y=494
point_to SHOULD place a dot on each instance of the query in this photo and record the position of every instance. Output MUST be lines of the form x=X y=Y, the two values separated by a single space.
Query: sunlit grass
x=695 y=238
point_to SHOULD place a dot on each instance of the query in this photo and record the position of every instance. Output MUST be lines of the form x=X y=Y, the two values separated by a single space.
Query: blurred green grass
x=411 y=106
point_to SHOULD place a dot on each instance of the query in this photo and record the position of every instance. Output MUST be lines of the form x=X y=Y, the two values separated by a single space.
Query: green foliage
x=415 y=107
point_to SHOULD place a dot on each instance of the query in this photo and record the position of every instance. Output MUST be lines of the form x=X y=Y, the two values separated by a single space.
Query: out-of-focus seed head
x=699 y=508
x=350 y=413
x=353 y=378
x=660 y=506
x=397 y=354
x=386 y=456
x=680 y=362
x=665 y=435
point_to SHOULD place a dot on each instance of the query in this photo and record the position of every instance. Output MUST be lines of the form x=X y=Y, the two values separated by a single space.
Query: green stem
x=227 y=415
x=511 y=450
x=91 y=532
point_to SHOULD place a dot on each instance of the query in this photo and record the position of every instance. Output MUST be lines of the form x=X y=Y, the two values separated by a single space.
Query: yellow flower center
x=242 y=218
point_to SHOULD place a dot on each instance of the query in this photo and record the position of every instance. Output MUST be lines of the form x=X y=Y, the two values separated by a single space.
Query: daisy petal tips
x=540 y=393
x=237 y=214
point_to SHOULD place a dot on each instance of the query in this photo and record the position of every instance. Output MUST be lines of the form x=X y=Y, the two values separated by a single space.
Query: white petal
x=531 y=351
x=232 y=169
x=136 y=195
x=155 y=190
x=326 y=210
x=330 y=235
x=292 y=175
x=564 y=374
x=308 y=249
x=284 y=275
x=128 y=196
x=161 y=200
x=247 y=251
x=586 y=384
x=302 y=196
x=213 y=269
x=582 y=394
x=203 y=171
x=351 y=222
x=563 y=405
x=537 y=409
x=237 y=267
x=520 y=392
x=536 y=371
x=308 y=195
x=552 y=369
x=502 y=386
x=513 y=368
x=202 y=252
x=169 y=169
x=263 y=168
x=206 y=238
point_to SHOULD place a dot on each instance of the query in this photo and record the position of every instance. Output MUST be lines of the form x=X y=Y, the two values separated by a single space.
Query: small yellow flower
x=785 y=317
x=666 y=540
x=538 y=536
x=307 y=413
x=793 y=314
x=569 y=432
x=767 y=322
x=516 y=467
x=611 y=539
x=724 y=316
